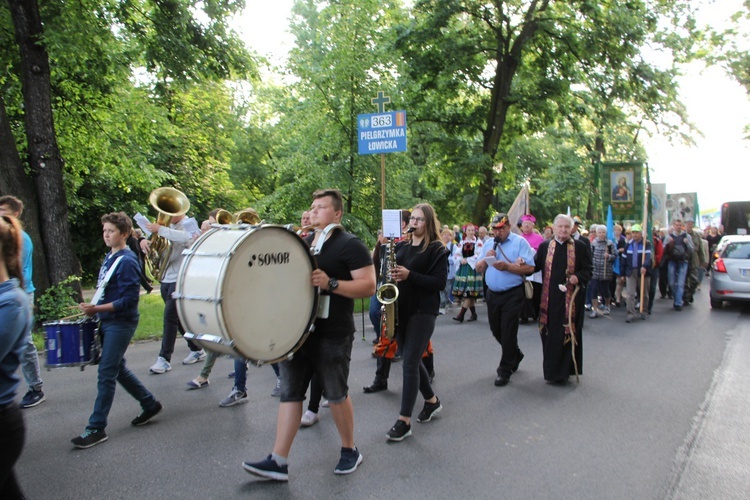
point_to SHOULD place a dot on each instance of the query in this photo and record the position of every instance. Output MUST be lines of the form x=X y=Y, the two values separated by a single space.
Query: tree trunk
x=44 y=155
x=14 y=181
x=509 y=54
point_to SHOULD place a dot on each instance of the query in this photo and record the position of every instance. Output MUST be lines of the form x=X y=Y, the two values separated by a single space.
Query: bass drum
x=247 y=292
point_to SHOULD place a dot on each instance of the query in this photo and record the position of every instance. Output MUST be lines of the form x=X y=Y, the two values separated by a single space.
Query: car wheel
x=716 y=304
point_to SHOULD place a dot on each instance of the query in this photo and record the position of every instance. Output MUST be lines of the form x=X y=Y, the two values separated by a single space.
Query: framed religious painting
x=622 y=189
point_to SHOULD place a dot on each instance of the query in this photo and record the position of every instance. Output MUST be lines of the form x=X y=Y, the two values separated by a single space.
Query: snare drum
x=71 y=343
x=247 y=292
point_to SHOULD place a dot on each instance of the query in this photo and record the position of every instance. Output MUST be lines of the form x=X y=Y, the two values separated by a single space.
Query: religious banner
x=659 y=205
x=682 y=205
x=519 y=208
x=622 y=189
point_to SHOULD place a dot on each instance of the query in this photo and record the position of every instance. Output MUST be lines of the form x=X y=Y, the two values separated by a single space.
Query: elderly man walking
x=566 y=269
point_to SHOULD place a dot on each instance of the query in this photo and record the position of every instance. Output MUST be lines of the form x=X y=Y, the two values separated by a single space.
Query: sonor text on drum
x=269 y=259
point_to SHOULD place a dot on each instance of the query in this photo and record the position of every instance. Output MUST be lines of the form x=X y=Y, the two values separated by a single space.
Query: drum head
x=267 y=298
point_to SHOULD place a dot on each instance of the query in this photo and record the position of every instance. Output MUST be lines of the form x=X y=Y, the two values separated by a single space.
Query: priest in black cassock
x=566 y=269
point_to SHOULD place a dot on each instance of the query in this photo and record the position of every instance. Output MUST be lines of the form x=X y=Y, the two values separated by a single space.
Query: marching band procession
x=554 y=276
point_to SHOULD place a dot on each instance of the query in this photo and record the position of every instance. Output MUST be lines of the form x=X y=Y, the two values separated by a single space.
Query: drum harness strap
x=323 y=303
x=103 y=285
x=322 y=238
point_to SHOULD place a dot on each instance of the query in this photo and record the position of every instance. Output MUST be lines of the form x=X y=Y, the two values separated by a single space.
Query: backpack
x=679 y=249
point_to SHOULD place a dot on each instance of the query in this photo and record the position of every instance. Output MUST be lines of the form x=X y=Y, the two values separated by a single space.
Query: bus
x=735 y=217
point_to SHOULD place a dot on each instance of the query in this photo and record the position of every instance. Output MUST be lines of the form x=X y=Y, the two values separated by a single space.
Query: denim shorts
x=329 y=357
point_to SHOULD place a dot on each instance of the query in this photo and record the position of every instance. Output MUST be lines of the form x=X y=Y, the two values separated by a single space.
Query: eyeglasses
x=416 y=219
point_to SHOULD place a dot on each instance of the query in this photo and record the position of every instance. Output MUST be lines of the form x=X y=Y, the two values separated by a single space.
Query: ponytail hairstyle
x=11 y=244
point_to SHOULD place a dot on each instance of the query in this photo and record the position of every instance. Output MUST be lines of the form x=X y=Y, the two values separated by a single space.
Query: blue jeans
x=30 y=359
x=375 y=315
x=446 y=297
x=240 y=374
x=116 y=335
x=676 y=273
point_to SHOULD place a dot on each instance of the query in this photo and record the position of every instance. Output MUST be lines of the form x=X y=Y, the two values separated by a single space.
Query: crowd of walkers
x=553 y=276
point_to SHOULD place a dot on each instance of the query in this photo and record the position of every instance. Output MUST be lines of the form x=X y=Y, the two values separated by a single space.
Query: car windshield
x=737 y=250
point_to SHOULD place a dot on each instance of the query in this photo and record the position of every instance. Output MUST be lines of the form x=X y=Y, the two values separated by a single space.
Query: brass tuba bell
x=224 y=217
x=247 y=216
x=169 y=203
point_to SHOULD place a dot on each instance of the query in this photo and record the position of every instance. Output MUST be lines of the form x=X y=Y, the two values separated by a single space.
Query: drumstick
x=72 y=316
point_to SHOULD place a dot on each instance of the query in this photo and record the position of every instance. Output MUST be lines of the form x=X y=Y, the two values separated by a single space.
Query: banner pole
x=644 y=233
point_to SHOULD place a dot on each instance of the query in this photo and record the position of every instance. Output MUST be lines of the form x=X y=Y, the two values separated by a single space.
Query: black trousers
x=171 y=323
x=12 y=436
x=503 y=310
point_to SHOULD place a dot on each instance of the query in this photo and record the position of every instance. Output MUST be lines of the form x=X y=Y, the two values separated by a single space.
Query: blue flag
x=611 y=237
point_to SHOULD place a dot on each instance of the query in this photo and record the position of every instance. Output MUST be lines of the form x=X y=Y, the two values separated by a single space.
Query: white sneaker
x=441 y=310
x=194 y=357
x=593 y=314
x=606 y=311
x=161 y=366
x=309 y=419
x=325 y=404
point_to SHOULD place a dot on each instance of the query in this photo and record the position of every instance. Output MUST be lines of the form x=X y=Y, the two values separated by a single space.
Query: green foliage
x=57 y=301
x=150 y=94
x=150 y=325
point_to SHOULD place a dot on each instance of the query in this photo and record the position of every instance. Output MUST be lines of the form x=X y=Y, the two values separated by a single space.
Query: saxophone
x=387 y=295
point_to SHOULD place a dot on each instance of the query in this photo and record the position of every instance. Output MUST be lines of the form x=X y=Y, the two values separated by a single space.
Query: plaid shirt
x=602 y=267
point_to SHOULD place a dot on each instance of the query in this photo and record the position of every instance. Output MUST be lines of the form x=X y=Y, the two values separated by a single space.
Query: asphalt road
x=662 y=411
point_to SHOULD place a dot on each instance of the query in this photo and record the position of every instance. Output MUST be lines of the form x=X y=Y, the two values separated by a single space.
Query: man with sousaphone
x=344 y=273
x=164 y=251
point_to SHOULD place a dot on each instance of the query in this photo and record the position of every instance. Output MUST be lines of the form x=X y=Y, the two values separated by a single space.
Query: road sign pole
x=382 y=181
x=380 y=101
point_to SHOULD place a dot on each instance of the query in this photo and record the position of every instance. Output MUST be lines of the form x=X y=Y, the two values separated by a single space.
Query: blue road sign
x=382 y=132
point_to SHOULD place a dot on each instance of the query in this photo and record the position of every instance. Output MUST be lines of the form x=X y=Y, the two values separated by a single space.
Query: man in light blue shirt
x=506 y=260
x=10 y=205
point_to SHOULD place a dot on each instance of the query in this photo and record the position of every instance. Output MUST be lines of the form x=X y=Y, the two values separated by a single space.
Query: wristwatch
x=333 y=284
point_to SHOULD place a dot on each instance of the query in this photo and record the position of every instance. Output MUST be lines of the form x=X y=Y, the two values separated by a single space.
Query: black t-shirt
x=342 y=253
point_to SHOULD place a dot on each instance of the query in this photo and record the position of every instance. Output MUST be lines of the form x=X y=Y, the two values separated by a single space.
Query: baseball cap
x=576 y=220
x=528 y=217
x=636 y=228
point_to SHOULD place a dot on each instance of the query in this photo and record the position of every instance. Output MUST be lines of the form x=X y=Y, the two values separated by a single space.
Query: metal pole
x=382 y=181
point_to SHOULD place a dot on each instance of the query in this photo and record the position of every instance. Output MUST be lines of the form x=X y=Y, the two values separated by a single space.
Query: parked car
x=730 y=272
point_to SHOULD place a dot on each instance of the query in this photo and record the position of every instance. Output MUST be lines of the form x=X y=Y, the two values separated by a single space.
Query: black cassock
x=558 y=362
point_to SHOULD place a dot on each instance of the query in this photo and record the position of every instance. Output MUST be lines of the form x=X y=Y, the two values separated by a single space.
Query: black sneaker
x=350 y=460
x=147 y=415
x=89 y=438
x=518 y=360
x=268 y=468
x=32 y=398
x=400 y=431
x=429 y=411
